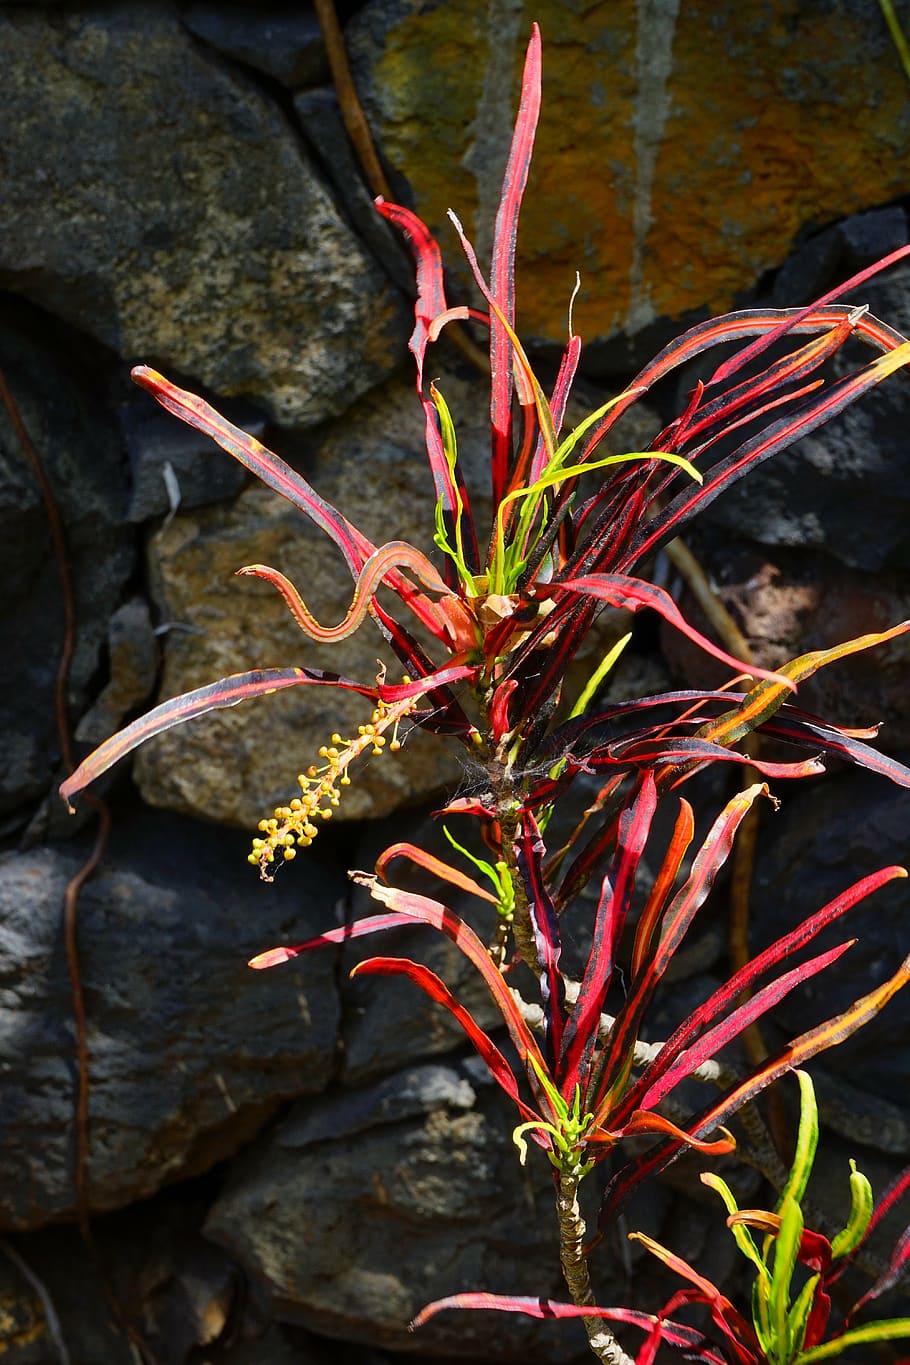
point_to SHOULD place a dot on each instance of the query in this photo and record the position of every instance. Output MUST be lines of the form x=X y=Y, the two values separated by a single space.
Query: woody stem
x=575 y=1270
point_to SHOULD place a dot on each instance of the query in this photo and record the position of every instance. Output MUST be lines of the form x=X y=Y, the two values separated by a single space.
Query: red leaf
x=370 y=924
x=437 y=990
x=502 y=275
x=719 y=1002
x=619 y=590
x=616 y=894
x=227 y=692
x=435 y=866
x=272 y=471
x=431 y=298
x=463 y=936
x=711 y=1041
x=797 y=316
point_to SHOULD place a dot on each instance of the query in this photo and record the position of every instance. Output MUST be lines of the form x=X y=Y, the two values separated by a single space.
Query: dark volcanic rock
x=78 y=445
x=174 y=215
x=189 y=1051
x=359 y=1213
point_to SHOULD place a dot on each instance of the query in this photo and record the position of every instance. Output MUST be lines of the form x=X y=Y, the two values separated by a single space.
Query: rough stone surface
x=323 y=127
x=175 y=217
x=133 y=665
x=356 y=1222
x=680 y=150
x=795 y=603
x=77 y=444
x=846 y=487
x=189 y=1051
x=283 y=42
x=236 y=765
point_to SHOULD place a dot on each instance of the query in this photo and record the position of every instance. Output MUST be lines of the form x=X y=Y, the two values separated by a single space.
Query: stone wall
x=316 y=1158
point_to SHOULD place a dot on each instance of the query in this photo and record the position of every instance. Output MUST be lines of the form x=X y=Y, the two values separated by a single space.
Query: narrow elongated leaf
x=435 y=866
x=730 y=367
x=760 y=704
x=806 y=1144
x=368 y=924
x=801 y=1050
x=462 y=935
x=688 y=753
x=730 y=1321
x=755 y=322
x=720 y=1001
x=254 y=456
x=810 y=1044
x=788 y=369
x=829 y=740
x=649 y=920
x=673 y=1333
x=615 y=898
x=437 y=990
x=757 y=449
x=451 y=494
x=891 y=1330
x=723 y=1033
x=502 y=274
x=786 y=1254
x=213 y=697
x=431 y=297
x=619 y=590
x=558 y=400
x=676 y=921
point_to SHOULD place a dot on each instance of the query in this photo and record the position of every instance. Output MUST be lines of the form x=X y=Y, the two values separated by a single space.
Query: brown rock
x=793 y=604
x=681 y=147
x=236 y=765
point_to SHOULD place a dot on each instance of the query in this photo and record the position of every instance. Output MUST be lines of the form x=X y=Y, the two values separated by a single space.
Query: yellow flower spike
x=320 y=794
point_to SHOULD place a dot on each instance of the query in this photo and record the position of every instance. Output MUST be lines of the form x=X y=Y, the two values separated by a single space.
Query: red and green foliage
x=795 y=1268
x=508 y=607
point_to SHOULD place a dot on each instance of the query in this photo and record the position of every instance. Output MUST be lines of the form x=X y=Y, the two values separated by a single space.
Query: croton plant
x=486 y=633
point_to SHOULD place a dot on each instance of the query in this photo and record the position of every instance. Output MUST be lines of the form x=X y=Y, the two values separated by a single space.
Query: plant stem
x=575 y=1269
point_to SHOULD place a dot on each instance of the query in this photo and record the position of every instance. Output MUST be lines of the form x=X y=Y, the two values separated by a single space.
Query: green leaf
x=450 y=449
x=589 y=690
x=857 y=1336
x=798 y=1318
x=806 y=1144
x=743 y=1237
x=786 y=1252
x=861 y=1208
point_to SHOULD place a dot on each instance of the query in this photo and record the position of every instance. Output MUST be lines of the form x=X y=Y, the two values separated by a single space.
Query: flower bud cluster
x=295 y=825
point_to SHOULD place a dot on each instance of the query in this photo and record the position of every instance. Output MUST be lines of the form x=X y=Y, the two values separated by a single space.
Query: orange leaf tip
x=272 y=958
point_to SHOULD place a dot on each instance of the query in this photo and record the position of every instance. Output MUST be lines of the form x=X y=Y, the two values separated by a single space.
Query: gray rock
x=78 y=446
x=189 y=1051
x=280 y=40
x=133 y=661
x=324 y=130
x=175 y=217
x=353 y=1234
x=836 y=253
